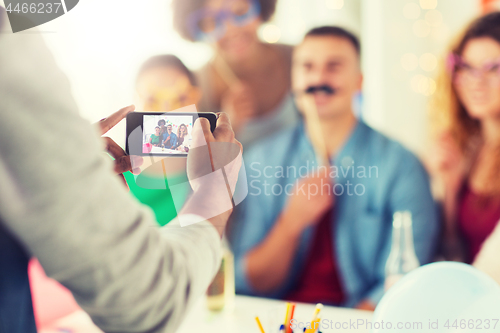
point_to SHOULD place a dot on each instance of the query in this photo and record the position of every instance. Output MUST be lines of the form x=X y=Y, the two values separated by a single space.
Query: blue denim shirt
x=173 y=140
x=375 y=177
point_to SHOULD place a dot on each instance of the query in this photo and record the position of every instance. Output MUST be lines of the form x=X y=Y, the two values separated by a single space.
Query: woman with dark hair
x=248 y=79
x=154 y=139
x=164 y=83
x=466 y=156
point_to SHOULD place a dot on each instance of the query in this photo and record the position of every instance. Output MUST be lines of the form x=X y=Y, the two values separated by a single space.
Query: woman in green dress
x=163 y=84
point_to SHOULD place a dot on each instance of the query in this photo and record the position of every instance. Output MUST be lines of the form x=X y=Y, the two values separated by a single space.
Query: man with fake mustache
x=317 y=223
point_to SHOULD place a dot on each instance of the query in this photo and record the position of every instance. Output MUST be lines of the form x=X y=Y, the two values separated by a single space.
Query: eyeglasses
x=463 y=73
x=209 y=25
x=182 y=93
x=168 y=100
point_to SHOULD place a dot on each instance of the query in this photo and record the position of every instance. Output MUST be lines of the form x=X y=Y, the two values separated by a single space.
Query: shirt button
x=347 y=162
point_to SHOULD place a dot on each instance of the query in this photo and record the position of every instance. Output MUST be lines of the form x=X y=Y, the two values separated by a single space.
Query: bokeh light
x=434 y=18
x=421 y=28
x=429 y=88
x=271 y=33
x=428 y=4
x=411 y=11
x=441 y=33
x=334 y=4
x=409 y=62
x=416 y=82
x=428 y=62
x=398 y=32
x=422 y=84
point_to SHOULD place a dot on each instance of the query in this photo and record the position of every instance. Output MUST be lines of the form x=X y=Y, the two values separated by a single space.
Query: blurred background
x=101 y=45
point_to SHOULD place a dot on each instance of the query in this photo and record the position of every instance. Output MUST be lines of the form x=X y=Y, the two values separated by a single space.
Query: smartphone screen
x=167 y=134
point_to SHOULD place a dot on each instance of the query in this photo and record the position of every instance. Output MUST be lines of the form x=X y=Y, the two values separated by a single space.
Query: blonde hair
x=447 y=113
x=179 y=130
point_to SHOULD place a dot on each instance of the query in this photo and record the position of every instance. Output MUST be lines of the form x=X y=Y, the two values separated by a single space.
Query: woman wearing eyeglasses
x=248 y=79
x=183 y=138
x=466 y=155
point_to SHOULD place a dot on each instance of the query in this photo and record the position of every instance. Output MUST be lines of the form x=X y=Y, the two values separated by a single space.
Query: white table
x=159 y=150
x=241 y=317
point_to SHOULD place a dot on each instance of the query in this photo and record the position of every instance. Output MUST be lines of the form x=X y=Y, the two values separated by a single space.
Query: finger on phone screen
x=223 y=118
x=224 y=121
x=108 y=123
x=223 y=130
x=201 y=132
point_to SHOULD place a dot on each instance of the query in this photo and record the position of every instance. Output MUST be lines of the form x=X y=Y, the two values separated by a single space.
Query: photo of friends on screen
x=163 y=134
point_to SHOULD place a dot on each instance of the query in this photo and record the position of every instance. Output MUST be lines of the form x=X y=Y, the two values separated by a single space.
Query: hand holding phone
x=213 y=167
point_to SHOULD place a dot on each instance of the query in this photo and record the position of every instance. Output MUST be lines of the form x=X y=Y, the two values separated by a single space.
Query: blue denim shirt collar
x=345 y=156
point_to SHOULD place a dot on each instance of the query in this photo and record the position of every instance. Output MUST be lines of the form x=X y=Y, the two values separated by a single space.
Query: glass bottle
x=221 y=292
x=402 y=258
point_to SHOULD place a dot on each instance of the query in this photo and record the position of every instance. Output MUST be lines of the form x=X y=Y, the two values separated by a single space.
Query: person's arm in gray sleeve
x=61 y=199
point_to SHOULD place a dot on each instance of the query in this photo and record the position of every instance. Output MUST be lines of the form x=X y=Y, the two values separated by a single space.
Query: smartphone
x=162 y=133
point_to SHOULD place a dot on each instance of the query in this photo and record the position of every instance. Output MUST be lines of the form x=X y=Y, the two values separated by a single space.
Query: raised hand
x=312 y=197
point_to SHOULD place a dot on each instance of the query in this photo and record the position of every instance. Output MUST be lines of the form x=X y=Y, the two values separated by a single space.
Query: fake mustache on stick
x=323 y=88
x=313 y=121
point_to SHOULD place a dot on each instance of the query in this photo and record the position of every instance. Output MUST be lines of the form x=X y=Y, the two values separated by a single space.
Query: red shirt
x=478 y=216
x=319 y=282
